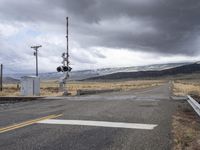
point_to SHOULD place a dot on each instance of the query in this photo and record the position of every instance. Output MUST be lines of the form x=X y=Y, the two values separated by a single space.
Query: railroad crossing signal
x=65 y=68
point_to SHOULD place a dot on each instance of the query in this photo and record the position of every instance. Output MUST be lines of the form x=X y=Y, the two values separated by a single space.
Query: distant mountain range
x=10 y=80
x=119 y=72
x=170 y=72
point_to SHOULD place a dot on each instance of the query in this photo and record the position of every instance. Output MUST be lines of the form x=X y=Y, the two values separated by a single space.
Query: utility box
x=30 y=86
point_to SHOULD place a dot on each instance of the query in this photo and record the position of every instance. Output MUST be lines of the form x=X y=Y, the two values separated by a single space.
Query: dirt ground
x=186 y=128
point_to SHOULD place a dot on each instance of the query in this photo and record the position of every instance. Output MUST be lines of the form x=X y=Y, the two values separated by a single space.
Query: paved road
x=149 y=106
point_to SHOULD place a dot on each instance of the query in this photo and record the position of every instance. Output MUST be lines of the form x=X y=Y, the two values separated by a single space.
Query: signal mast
x=65 y=68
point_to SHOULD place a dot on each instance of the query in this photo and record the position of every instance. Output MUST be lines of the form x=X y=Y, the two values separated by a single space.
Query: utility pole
x=1 y=78
x=36 y=56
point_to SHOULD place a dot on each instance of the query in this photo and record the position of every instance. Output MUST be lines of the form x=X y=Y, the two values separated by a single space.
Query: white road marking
x=100 y=124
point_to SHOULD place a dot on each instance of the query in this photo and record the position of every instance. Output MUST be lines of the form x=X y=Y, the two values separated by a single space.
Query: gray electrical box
x=30 y=86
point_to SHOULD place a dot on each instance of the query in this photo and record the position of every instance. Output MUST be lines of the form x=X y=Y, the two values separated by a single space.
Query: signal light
x=63 y=69
x=70 y=69
x=59 y=69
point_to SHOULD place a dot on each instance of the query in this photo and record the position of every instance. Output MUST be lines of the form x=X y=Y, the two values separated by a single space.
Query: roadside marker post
x=1 y=78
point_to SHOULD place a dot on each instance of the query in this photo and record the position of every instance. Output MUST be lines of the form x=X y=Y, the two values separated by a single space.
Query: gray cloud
x=175 y=24
x=157 y=26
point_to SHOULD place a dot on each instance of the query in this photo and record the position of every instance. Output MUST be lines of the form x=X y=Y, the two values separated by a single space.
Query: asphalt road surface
x=133 y=120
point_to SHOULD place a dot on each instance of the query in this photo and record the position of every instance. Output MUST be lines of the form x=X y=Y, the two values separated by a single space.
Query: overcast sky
x=103 y=33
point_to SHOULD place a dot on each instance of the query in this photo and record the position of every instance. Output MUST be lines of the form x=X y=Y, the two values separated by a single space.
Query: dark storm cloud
x=160 y=26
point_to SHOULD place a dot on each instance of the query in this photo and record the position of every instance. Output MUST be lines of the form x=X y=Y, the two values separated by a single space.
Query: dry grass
x=50 y=88
x=186 y=129
x=10 y=90
x=186 y=125
x=124 y=85
x=181 y=87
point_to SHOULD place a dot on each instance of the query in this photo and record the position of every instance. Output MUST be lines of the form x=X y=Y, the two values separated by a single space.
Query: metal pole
x=65 y=68
x=36 y=55
x=36 y=62
x=1 y=78
x=67 y=36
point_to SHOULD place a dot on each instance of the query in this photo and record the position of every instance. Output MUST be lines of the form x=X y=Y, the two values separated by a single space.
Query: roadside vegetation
x=186 y=129
x=185 y=87
x=50 y=88
x=10 y=90
x=186 y=123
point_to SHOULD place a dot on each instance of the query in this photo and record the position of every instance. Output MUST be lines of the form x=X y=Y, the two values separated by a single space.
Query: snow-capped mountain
x=83 y=74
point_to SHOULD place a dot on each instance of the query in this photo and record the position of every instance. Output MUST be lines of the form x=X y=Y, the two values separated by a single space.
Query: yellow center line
x=26 y=123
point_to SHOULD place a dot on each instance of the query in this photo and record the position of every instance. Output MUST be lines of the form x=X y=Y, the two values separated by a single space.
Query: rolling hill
x=84 y=74
x=184 y=70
